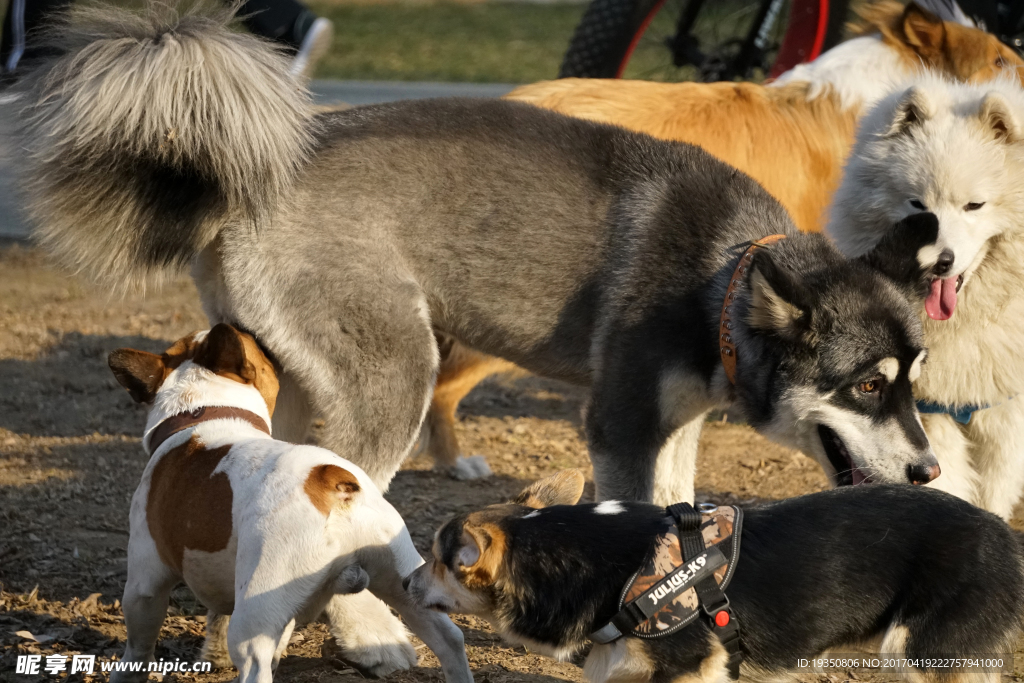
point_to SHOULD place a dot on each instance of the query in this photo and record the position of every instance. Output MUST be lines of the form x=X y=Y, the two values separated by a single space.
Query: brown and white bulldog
x=268 y=532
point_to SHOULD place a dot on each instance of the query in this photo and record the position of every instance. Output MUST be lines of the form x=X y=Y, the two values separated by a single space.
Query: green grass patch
x=485 y=42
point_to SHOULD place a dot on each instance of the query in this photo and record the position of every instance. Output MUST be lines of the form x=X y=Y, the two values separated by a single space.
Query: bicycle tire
x=609 y=30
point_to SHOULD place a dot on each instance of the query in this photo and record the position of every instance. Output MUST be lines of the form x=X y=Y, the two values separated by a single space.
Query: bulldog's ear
x=776 y=297
x=997 y=114
x=913 y=109
x=563 y=488
x=481 y=555
x=140 y=372
x=223 y=352
x=923 y=30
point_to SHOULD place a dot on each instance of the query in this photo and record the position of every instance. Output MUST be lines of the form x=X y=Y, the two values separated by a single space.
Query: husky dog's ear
x=223 y=352
x=913 y=109
x=997 y=114
x=481 y=554
x=897 y=255
x=563 y=488
x=924 y=31
x=140 y=372
x=777 y=301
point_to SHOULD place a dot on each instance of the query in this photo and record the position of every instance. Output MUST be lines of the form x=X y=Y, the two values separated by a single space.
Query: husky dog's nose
x=922 y=474
x=944 y=264
x=406 y=581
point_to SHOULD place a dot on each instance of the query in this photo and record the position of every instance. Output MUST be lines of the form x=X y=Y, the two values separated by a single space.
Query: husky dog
x=579 y=251
x=957 y=151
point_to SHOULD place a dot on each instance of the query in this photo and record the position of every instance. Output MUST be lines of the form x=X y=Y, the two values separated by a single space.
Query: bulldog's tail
x=149 y=132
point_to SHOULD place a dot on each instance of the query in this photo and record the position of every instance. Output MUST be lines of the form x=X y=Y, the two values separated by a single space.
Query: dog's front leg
x=439 y=633
x=677 y=464
x=643 y=426
x=387 y=568
x=146 y=594
x=953 y=451
x=997 y=437
x=253 y=646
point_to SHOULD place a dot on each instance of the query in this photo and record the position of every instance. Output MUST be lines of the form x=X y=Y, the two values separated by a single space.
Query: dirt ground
x=70 y=458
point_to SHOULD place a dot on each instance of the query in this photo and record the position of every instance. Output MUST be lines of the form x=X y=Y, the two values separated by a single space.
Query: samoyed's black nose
x=945 y=263
x=922 y=474
x=406 y=581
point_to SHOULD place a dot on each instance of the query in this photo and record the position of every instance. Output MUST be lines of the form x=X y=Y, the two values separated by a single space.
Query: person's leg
x=294 y=25
x=279 y=20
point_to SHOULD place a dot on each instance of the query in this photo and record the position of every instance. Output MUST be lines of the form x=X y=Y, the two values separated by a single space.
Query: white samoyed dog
x=956 y=150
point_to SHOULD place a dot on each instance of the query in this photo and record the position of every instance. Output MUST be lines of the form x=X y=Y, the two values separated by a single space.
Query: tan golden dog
x=791 y=136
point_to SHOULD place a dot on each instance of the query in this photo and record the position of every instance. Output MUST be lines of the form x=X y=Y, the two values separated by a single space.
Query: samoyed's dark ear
x=913 y=109
x=897 y=255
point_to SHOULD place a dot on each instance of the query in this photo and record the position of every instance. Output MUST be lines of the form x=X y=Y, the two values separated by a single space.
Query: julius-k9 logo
x=677 y=581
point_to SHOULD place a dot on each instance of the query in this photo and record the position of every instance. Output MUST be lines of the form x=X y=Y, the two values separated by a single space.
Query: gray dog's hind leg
x=382 y=377
x=293 y=413
x=361 y=350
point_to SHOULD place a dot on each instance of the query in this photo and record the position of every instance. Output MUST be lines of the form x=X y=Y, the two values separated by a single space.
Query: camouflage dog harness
x=686 y=576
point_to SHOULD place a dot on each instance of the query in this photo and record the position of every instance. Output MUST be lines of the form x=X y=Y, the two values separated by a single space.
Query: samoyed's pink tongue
x=941 y=299
x=858 y=477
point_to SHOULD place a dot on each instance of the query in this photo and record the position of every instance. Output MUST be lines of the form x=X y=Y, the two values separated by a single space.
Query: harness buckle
x=715 y=609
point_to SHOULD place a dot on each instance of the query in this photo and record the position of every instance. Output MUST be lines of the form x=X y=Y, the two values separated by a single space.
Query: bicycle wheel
x=642 y=38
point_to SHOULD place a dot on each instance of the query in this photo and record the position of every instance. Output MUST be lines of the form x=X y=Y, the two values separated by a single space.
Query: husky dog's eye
x=918 y=204
x=870 y=386
x=973 y=206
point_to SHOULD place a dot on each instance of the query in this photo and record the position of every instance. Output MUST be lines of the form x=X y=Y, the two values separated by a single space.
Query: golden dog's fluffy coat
x=792 y=137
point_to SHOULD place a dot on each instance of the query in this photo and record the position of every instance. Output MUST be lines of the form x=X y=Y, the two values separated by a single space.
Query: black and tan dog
x=906 y=571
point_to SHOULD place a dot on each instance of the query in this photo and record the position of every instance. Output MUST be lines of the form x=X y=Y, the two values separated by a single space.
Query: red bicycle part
x=805 y=35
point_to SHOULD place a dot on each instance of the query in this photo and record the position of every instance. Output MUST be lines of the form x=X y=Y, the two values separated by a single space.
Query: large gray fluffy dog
x=579 y=251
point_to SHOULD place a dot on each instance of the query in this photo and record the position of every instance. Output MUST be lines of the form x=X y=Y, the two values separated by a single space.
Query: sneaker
x=315 y=44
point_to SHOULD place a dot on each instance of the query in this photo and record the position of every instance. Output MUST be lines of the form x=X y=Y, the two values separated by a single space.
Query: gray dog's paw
x=471 y=467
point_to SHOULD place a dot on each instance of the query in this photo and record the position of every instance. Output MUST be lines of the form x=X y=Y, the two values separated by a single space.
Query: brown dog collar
x=176 y=423
x=725 y=326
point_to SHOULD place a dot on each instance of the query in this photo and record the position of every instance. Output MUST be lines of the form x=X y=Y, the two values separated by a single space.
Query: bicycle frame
x=686 y=50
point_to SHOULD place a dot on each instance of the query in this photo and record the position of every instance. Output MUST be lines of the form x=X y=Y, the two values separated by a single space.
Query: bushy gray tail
x=151 y=131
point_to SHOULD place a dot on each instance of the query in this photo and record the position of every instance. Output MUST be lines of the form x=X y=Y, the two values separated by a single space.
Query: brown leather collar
x=176 y=423
x=725 y=326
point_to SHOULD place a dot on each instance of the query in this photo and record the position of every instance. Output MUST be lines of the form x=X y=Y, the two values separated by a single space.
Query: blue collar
x=961 y=414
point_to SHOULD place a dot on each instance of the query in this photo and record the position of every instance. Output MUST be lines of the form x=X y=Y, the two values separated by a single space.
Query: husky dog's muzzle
x=847 y=472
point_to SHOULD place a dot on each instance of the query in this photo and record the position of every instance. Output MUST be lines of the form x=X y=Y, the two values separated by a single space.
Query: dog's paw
x=375 y=661
x=471 y=467
x=367 y=636
x=219 y=660
x=215 y=647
